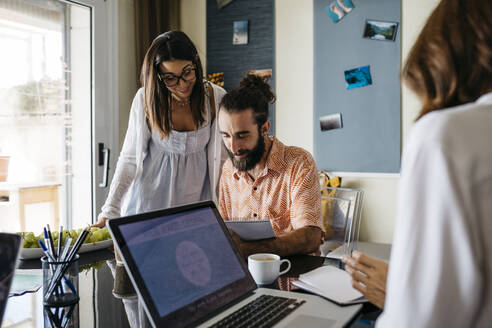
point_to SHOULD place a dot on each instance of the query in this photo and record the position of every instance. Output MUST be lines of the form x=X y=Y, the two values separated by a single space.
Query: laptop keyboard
x=264 y=311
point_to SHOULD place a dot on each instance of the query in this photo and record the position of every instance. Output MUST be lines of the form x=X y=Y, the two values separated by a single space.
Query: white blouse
x=135 y=148
x=440 y=273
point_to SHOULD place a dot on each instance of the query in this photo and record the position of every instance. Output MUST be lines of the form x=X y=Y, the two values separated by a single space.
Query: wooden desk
x=22 y=194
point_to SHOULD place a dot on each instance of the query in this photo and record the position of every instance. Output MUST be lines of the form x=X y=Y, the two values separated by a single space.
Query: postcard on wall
x=240 y=32
x=331 y=122
x=338 y=9
x=380 y=30
x=266 y=74
x=216 y=78
x=358 y=77
x=222 y=3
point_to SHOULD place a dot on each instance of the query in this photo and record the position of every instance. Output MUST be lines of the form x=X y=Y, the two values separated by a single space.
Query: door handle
x=104 y=160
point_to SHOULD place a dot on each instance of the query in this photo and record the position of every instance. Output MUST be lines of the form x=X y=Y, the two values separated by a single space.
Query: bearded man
x=263 y=178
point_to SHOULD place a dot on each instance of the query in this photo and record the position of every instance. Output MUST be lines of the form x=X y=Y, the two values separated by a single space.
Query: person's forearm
x=122 y=179
x=301 y=241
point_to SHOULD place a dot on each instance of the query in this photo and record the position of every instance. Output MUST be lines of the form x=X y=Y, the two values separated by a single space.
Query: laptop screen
x=184 y=262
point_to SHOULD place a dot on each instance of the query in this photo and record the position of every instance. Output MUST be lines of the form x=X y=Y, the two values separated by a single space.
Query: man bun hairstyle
x=253 y=92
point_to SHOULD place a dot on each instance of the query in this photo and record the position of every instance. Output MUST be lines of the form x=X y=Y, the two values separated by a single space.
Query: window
x=46 y=114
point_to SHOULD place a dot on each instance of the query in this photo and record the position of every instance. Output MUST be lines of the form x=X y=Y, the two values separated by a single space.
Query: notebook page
x=332 y=283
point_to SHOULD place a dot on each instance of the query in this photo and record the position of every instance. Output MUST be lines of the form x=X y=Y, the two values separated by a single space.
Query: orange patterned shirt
x=287 y=192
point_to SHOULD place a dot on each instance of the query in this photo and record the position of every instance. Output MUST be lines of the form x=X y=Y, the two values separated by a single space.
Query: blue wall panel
x=236 y=60
x=370 y=139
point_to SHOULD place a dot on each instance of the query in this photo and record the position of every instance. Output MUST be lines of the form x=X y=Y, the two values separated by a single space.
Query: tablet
x=252 y=230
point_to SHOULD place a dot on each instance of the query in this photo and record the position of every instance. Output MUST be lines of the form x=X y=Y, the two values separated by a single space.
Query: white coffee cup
x=265 y=267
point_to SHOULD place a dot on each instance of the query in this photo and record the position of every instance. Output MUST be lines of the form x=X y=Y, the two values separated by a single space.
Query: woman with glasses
x=172 y=154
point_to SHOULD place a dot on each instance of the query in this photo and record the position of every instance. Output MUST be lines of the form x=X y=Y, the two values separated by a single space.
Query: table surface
x=99 y=308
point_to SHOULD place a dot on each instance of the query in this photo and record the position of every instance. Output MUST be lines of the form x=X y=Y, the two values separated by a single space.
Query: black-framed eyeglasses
x=170 y=80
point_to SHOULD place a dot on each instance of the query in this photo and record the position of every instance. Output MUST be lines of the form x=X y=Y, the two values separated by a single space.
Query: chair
x=341 y=211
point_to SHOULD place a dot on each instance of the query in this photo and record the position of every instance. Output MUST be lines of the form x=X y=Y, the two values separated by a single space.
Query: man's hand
x=368 y=276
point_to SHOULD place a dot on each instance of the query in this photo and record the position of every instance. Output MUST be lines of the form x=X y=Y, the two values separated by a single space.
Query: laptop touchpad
x=310 y=321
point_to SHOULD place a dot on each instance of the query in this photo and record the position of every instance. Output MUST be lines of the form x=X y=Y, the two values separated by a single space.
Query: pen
x=47 y=242
x=45 y=251
x=66 y=318
x=62 y=256
x=66 y=247
x=53 y=320
x=77 y=244
x=49 y=252
x=62 y=314
x=60 y=243
x=50 y=258
x=50 y=238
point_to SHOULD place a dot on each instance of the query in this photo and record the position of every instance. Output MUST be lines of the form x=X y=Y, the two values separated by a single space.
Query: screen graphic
x=182 y=257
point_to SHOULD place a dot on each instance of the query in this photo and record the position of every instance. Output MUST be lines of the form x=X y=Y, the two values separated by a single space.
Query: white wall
x=294 y=116
x=193 y=22
x=293 y=71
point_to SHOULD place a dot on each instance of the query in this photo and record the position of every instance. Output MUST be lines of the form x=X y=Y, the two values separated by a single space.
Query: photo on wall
x=331 y=122
x=222 y=3
x=358 y=77
x=216 y=78
x=265 y=74
x=380 y=30
x=240 y=32
x=338 y=9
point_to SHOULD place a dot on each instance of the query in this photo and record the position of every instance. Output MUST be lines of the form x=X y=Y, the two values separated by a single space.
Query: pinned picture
x=265 y=74
x=379 y=30
x=338 y=9
x=216 y=78
x=240 y=32
x=222 y=3
x=358 y=77
x=331 y=122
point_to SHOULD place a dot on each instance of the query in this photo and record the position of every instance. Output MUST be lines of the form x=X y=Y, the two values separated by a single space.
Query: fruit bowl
x=96 y=239
x=36 y=253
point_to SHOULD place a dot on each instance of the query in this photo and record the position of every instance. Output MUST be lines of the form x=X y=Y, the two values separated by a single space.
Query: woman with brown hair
x=440 y=273
x=172 y=154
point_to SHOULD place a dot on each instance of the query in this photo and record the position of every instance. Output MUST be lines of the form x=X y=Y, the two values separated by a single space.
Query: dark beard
x=254 y=156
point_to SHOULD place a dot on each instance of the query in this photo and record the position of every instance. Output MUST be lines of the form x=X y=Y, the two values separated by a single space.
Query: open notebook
x=331 y=283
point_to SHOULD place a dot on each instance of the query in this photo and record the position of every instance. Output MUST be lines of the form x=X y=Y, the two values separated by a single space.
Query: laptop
x=9 y=251
x=187 y=271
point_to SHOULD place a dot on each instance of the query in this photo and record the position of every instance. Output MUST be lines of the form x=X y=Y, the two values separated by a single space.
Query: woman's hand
x=368 y=276
x=100 y=224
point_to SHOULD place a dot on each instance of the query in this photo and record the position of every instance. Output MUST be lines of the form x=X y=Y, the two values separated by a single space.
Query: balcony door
x=58 y=123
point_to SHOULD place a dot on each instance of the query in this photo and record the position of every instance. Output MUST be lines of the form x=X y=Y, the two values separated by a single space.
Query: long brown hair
x=169 y=46
x=451 y=62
